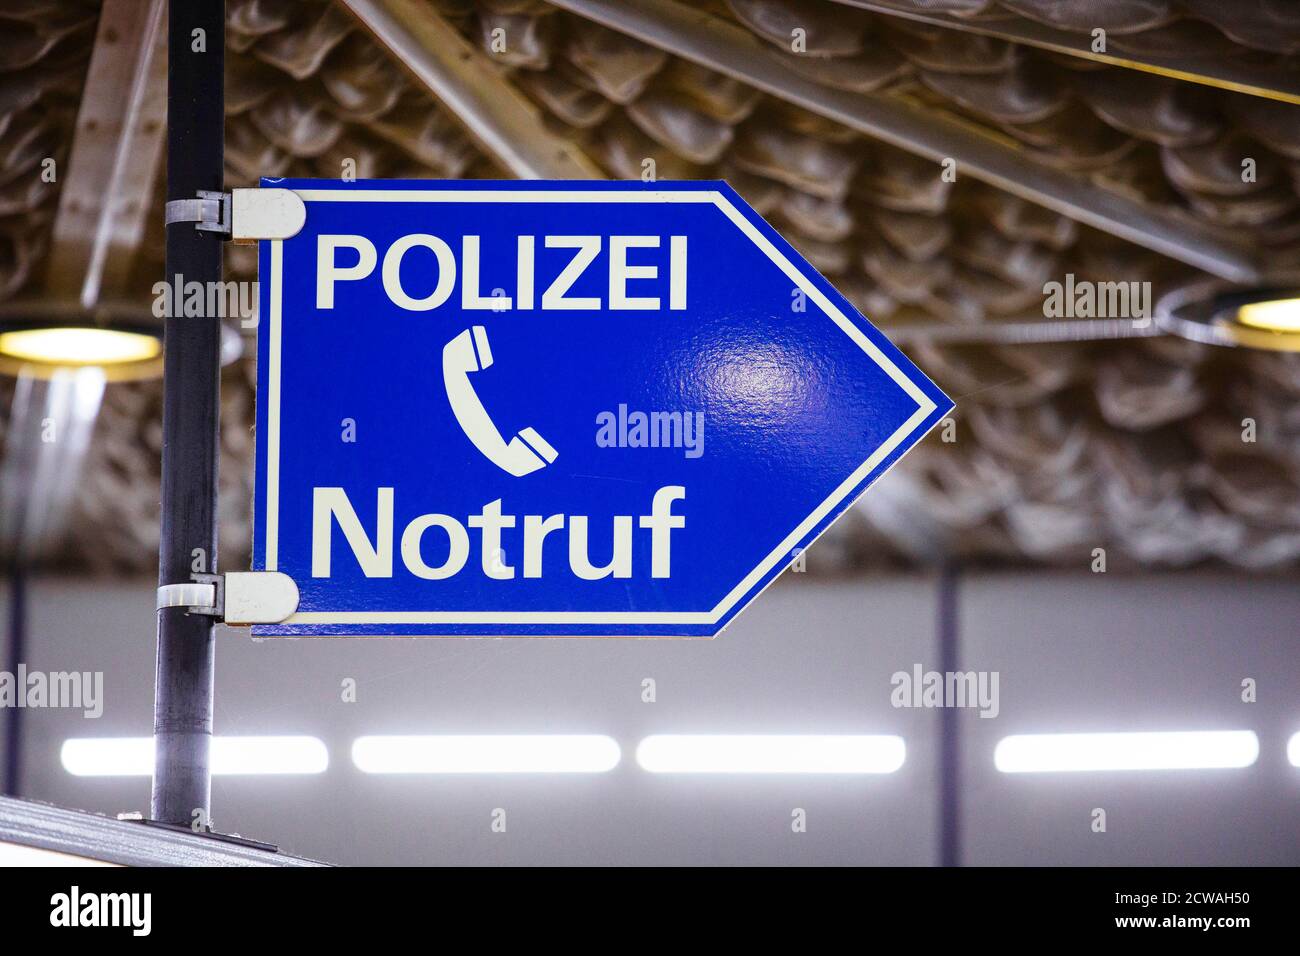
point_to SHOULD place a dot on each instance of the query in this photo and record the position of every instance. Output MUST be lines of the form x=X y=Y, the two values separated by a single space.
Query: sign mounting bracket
x=236 y=597
x=242 y=215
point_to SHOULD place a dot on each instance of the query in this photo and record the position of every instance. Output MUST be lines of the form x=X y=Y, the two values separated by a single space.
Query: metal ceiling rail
x=1021 y=333
x=473 y=88
x=1241 y=75
x=732 y=50
x=32 y=833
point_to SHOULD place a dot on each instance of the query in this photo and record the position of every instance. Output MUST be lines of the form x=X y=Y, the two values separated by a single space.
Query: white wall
x=1074 y=652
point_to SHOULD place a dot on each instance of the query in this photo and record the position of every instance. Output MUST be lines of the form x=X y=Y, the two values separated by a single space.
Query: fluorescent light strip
x=768 y=753
x=231 y=756
x=487 y=753
x=1176 y=750
x=1293 y=750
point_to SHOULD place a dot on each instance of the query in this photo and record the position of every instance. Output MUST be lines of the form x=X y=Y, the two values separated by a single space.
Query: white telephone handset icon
x=527 y=451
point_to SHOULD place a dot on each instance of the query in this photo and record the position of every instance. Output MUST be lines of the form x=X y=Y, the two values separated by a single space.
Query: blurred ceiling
x=1133 y=443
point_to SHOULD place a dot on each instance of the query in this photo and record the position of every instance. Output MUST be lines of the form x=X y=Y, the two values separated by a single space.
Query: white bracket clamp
x=245 y=215
x=266 y=214
x=237 y=597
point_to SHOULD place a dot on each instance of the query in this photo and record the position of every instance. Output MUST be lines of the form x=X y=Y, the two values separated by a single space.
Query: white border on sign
x=924 y=407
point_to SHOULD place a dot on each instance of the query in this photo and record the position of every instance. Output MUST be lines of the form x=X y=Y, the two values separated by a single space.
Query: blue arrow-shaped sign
x=565 y=408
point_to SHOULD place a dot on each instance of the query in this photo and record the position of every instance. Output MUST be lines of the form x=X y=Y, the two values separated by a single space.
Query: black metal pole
x=13 y=768
x=182 y=783
x=949 y=730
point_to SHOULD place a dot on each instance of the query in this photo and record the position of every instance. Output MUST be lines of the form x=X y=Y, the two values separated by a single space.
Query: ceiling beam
x=473 y=88
x=730 y=49
x=1240 y=75
x=115 y=157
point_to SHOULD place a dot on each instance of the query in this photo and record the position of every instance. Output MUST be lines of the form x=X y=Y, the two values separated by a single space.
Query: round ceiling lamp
x=43 y=348
x=1212 y=312
x=42 y=338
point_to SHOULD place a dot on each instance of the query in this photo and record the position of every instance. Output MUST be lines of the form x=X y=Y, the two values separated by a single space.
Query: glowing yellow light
x=1275 y=315
x=78 y=346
